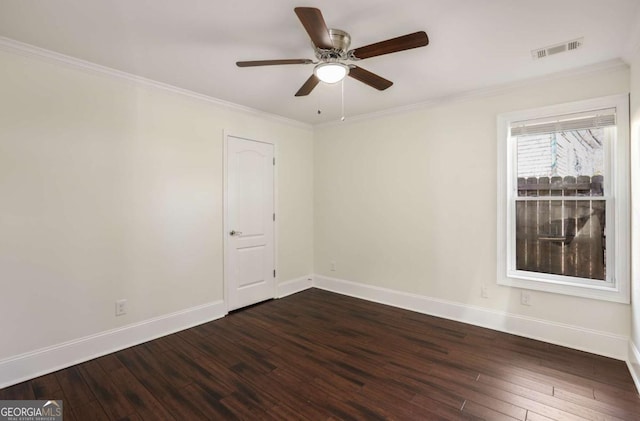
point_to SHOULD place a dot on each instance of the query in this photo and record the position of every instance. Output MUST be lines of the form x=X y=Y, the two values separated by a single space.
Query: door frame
x=225 y=219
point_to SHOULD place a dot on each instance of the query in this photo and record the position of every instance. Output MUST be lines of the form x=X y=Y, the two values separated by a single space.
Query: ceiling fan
x=331 y=47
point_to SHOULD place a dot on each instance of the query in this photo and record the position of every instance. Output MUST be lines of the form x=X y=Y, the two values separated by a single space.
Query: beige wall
x=635 y=185
x=408 y=202
x=110 y=189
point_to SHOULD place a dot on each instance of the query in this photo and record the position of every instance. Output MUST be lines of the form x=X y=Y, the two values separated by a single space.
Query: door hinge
x=274 y=216
x=274 y=273
x=274 y=160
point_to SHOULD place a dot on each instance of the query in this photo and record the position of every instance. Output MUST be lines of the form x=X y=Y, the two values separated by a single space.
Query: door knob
x=234 y=232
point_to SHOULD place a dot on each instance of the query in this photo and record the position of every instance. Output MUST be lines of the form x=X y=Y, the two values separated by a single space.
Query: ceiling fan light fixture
x=331 y=72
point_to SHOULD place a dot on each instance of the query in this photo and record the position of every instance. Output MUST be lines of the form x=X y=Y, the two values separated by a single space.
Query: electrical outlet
x=121 y=307
x=525 y=298
x=484 y=291
x=333 y=265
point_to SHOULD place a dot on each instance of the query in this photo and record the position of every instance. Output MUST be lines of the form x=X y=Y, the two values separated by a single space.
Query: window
x=563 y=219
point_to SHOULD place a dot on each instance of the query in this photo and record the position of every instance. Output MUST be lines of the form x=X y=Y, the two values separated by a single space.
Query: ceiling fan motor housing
x=341 y=41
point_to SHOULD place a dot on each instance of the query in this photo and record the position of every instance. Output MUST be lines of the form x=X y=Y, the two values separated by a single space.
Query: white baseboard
x=47 y=360
x=596 y=342
x=634 y=364
x=33 y=364
x=294 y=285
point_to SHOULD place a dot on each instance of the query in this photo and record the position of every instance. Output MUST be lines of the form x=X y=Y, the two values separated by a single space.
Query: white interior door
x=249 y=223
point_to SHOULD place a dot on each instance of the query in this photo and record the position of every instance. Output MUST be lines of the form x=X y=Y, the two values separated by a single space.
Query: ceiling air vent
x=557 y=48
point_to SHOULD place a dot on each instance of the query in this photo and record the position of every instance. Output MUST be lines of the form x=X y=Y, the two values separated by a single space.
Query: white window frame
x=617 y=289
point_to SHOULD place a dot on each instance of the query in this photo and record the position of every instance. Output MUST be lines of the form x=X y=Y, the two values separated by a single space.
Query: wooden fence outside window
x=560 y=226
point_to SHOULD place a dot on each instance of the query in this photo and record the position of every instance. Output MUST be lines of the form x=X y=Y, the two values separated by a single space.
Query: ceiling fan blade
x=272 y=62
x=393 y=45
x=308 y=86
x=315 y=26
x=369 y=78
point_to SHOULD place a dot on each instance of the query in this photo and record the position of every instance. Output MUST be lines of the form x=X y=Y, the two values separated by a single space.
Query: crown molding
x=17 y=47
x=606 y=66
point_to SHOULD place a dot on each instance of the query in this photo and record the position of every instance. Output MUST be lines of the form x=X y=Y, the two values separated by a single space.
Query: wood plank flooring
x=321 y=356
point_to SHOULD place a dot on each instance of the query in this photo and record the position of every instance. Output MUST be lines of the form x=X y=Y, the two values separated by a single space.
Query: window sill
x=605 y=292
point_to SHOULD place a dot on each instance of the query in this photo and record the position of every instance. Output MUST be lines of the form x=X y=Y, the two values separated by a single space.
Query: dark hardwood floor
x=322 y=356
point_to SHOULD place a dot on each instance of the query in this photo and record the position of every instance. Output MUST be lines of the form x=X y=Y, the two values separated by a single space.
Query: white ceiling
x=194 y=44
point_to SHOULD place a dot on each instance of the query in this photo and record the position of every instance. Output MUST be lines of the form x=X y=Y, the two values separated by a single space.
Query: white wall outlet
x=525 y=298
x=333 y=265
x=484 y=291
x=121 y=307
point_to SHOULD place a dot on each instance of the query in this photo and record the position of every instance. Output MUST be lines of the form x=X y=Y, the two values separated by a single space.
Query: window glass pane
x=561 y=237
x=561 y=159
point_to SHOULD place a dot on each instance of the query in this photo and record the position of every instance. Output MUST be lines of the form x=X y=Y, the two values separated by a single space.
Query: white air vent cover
x=557 y=48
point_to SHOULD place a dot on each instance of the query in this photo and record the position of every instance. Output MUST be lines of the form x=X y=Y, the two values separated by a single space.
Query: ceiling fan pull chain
x=342 y=88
